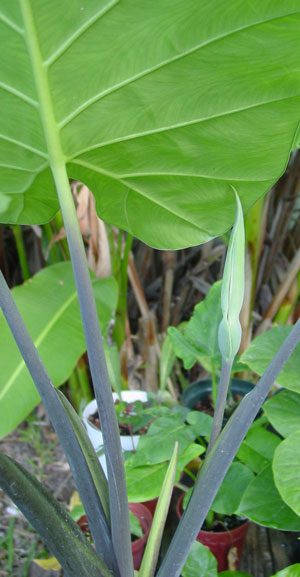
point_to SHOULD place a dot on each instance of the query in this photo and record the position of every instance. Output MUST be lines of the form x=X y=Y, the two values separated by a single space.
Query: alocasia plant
x=162 y=109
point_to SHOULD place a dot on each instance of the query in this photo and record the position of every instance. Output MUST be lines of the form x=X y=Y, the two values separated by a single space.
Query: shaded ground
x=34 y=445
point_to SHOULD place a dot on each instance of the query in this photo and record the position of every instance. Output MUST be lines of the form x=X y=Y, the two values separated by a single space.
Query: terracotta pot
x=145 y=518
x=128 y=443
x=221 y=542
x=151 y=505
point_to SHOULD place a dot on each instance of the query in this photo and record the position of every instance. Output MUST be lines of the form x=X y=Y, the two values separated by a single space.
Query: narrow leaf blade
x=60 y=533
x=154 y=540
x=89 y=453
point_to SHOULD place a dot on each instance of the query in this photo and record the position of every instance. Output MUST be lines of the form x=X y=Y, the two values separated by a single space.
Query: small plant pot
x=138 y=546
x=200 y=391
x=151 y=505
x=144 y=516
x=128 y=443
x=220 y=543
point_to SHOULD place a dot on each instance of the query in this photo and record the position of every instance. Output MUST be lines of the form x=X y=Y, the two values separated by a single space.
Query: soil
x=227 y=523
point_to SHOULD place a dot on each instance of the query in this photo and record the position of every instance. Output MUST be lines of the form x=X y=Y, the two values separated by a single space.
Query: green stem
x=119 y=513
x=221 y=401
x=112 y=249
x=17 y=232
x=74 y=393
x=214 y=384
x=210 y=517
x=49 y=234
x=63 y=243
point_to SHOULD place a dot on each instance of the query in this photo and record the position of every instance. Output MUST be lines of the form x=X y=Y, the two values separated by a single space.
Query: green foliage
x=230 y=494
x=151 y=553
x=167 y=360
x=286 y=469
x=135 y=526
x=144 y=482
x=257 y=450
x=49 y=306
x=262 y=503
x=129 y=126
x=235 y=483
x=200 y=562
x=158 y=444
x=263 y=349
x=133 y=415
x=153 y=139
x=199 y=340
x=283 y=412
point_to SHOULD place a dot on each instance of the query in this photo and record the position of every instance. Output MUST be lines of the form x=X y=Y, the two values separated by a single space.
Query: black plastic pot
x=201 y=390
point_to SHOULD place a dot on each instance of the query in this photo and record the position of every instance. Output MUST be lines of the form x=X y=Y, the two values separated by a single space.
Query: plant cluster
x=173 y=163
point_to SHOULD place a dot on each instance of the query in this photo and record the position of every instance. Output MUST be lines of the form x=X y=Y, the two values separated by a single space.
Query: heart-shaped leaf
x=263 y=349
x=262 y=503
x=283 y=412
x=160 y=108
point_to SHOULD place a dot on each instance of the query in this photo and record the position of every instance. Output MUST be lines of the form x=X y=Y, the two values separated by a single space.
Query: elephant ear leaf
x=159 y=109
x=57 y=529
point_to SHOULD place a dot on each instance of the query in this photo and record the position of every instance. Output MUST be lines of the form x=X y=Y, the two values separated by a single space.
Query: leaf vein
x=135 y=189
x=24 y=145
x=161 y=65
x=11 y=24
x=183 y=124
x=18 y=94
x=69 y=41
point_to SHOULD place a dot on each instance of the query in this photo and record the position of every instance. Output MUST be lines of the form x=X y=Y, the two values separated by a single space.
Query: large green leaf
x=262 y=503
x=49 y=306
x=158 y=444
x=159 y=107
x=283 y=412
x=286 y=469
x=200 y=562
x=144 y=483
x=263 y=349
x=258 y=448
x=199 y=340
x=235 y=483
